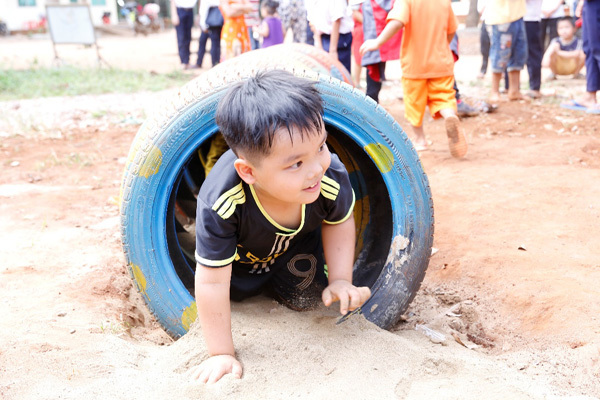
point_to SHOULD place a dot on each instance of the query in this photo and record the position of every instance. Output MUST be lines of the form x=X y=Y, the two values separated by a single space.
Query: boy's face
x=565 y=30
x=292 y=172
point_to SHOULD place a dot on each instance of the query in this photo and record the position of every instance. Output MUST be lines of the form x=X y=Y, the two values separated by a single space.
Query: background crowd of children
x=514 y=34
x=541 y=33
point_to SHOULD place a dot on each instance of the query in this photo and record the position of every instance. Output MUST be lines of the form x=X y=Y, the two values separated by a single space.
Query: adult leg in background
x=534 y=57
x=591 y=48
x=215 y=44
x=484 y=45
x=204 y=35
x=184 y=33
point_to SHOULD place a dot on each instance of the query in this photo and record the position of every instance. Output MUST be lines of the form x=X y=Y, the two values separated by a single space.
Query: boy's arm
x=338 y=246
x=214 y=315
x=236 y=9
x=317 y=39
x=335 y=37
x=579 y=8
x=263 y=29
x=552 y=48
x=548 y=11
x=174 y=15
x=391 y=28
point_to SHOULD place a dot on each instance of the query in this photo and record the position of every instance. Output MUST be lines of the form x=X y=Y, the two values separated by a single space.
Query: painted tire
x=393 y=212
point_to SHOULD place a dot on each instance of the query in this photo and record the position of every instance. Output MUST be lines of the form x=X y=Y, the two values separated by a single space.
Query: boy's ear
x=245 y=170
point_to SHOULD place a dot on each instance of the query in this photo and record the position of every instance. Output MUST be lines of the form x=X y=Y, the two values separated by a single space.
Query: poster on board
x=70 y=23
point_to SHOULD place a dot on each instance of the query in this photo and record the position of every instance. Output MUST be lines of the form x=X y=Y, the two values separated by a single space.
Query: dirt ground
x=513 y=287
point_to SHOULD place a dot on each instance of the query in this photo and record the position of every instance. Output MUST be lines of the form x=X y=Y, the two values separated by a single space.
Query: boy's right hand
x=349 y=296
x=213 y=369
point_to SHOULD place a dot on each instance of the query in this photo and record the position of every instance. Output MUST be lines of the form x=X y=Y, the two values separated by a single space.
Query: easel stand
x=59 y=62
x=72 y=24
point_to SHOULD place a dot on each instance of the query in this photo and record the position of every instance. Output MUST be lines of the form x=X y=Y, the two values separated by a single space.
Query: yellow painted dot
x=381 y=155
x=152 y=163
x=140 y=279
x=188 y=316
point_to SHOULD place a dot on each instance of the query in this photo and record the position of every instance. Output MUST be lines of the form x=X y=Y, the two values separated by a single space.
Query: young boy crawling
x=270 y=209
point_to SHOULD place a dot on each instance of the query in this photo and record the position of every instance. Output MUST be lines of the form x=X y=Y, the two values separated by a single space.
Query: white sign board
x=70 y=24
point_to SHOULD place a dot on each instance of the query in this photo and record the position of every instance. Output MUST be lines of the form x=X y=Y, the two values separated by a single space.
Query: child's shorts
x=437 y=93
x=295 y=279
x=509 y=46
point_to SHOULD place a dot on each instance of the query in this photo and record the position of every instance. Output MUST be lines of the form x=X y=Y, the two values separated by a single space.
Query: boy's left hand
x=349 y=296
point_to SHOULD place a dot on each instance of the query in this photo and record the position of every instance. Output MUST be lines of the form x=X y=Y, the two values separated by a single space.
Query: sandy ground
x=513 y=288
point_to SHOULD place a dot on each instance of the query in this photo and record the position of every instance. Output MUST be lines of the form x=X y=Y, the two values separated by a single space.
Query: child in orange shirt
x=427 y=66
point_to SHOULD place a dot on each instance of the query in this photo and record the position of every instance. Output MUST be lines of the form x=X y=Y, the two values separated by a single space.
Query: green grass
x=70 y=81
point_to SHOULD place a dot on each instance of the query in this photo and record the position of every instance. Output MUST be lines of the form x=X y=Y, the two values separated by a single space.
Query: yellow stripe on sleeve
x=347 y=215
x=330 y=182
x=226 y=203
x=215 y=263
x=234 y=190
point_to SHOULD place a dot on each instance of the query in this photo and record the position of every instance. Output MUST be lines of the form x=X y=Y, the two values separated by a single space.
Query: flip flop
x=574 y=105
x=593 y=110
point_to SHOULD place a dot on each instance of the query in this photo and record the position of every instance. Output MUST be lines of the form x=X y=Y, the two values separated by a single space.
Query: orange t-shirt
x=425 y=51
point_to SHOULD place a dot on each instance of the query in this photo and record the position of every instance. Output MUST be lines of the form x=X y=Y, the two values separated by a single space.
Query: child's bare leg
x=495 y=95
x=457 y=142
x=549 y=59
x=552 y=62
x=514 y=85
x=580 y=63
x=420 y=140
x=356 y=71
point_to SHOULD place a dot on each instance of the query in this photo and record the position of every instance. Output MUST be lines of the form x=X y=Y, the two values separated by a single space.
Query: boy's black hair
x=270 y=5
x=253 y=110
x=566 y=18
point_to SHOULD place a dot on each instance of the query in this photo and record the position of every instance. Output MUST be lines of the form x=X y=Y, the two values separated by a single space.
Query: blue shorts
x=509 y=46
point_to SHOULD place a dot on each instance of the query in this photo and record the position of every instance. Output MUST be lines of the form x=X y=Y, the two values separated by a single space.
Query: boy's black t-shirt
x=232 y=227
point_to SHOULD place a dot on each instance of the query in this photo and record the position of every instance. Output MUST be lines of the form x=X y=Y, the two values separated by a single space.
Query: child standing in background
x=375 y=13
x=508 y=50
x=234 y=36
x=271 y=28
x=332 y=25
x=427 y=66
x=212 y=32
x=535 y=52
